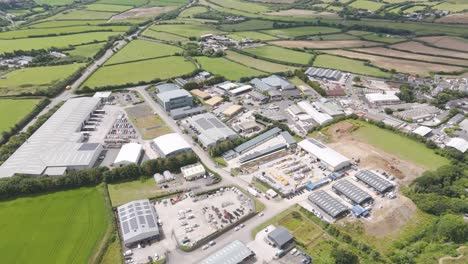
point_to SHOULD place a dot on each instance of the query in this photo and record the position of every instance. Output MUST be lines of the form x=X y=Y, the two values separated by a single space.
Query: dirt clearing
x=460 y=44
x=418 y=47
x=142 y=12
x=331 y=44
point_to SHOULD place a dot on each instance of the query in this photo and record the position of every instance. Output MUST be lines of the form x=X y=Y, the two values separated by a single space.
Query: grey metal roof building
x=261 y=153
x=234 y=253
x=260 y=86
x=210 y=129
x=328 y=203
x=324 y=73
x=166 y=87
x=246 y=146
x=57 y=145
x=354 y=193
x=138 y=221
x=175 y=99
x=278 y=82
x=281 y=237
x=374 y=180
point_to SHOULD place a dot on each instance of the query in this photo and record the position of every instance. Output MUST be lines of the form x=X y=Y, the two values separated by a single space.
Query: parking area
x=193 y=218
x=124 y=98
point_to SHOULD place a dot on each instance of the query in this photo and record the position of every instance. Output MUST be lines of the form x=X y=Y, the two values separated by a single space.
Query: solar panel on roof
x=150 y=221
x=133 y=224
x=216 y=122
x=125 y=227
x=204 y=124
x=142 y=219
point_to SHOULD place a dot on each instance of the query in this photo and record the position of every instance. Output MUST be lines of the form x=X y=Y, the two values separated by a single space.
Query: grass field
x=148 y=124
x=65 y=23
x=31 y=79
x=400 y=146
x=124 y=2
x=190 y=12
x=108 y=8
x=185 y=30
x=281 y=54
x=142 y=49
x=13 y=110
x=301 y=31
x=49 y=42
x=230 y=70
x=262 y=65
x=379 y=38
x=167 y=2
x=241 y=5
x=24 y=33
x=53 y=2
x=349 y=65
x=82 y=15
x=134 y=72
x=366 y=5
x=251 y=35
x=163 y=36
x=252 y=24
x=125 y=192
x=325 y=44
x=113 y=253
x=88 y=50
x=61 y=227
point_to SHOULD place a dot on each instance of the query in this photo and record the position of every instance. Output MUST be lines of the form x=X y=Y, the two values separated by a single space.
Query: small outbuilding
x=281 y=237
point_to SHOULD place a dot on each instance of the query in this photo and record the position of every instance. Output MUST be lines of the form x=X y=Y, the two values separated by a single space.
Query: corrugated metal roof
x=374 y=180
x=257 y=140
x=324 y=153
x=233 y=253
x=138 y=221
x=351 y=191
x=328 y=203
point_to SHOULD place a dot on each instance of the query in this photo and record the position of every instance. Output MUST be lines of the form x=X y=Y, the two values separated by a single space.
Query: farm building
x=281 y=237
x=209 y=129
x=354 y=193
x=327 y=156
x=57 y=146
x=170 y=145
x=138 y=221
x=193 y=171
x=214 y=101
x=382 y=98
x=422 y=131
x=374 y=180
x=174 y=99
x=459 y=144
x=323 y=73
x=128 y=154
x=320 y=118
x=166 y=87
x=200 y=94
x=329 y=204
x=278 y=82
x=232 y=110
x=235 y=252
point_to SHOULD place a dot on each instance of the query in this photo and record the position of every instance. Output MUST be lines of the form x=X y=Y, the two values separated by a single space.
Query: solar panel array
x=374 y=180
x=328 y=203
x=137 y=219
x=351 y=191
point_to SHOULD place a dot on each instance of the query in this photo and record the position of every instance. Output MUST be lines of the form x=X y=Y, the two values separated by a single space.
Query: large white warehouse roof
x=382 y=97
x=458 y=143
x=319 y=117
x=324 y=153
x=171 y=143
x=129 y=153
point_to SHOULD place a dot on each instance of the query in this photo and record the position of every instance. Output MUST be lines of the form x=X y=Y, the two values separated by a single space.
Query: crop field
x=281 y=54
x=107 y=8
x=418 y=47
x=339 y=36
x=230 y=70
x=88 y=50
x=262 y=65
x=349 y=65
x=185 y=30
x=251 y=35
x=141 y=13
x=134 y=72
x=407 y=66
x=142 y=49
x=444 y=42
x=190 y=12
x=376 y=37
x=48 y=42
x=15 y=34
x=34 y=78
x=14 y=110
x=163 y=36
x=241 y=6
x=82 y=15
x=301 y=31
x=381 y=51
x=248 y=25
x=60 y=227
x=367 y=5
x=324 y=44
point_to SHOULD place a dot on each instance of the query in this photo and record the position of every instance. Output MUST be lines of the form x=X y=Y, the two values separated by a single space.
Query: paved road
x=272 y=207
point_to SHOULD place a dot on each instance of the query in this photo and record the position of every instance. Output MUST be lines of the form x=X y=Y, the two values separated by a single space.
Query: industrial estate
x=235 y=131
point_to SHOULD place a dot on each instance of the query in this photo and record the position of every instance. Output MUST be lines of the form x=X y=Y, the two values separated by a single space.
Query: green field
x=61 y=227
x=252 y=24
x=134 y=72
x=366 y=5
x=190 y=12
x=378 y=38
x=185 y=30
x=53 y=2
x=301 y=31
x=241 y=5
x=142 y=49
x=125 y=192
x=400 y=146
x=230 y=70
x=15 y=34
x=163 y=36
x=49 y=42
x=113 y=253
x=87 y=51
x=82 y=15
x=35 y=78
x=349 y=65
x=108 y=8
x=14 y=110
x=258 y=64
x=452 y=7
x=123 y=2
x=281 y=54
x=65 y=23
x=167 y=2
x=251 y=35
x=339 y=36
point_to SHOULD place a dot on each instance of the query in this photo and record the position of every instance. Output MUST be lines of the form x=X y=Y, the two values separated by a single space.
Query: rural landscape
x=234 y=131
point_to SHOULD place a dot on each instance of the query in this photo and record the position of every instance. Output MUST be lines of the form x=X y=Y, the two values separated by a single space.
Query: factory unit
x=375 y=181
x=170 y=145
x=382 y=98
x=235 y=252
x=281 y=238
x=58 y=145
x=174 y=99
x=352 y=192
x=138 y=221
x=323 y=73
x=209 y=129
x=278 y=82
x=329 y=204
x=193 y=171
x=320 y=118
x=458 y=144
x=130 y=153
x=327 y=156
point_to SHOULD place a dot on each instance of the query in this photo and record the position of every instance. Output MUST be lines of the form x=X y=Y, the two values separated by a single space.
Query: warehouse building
x=57 y=146
x=459 y=144
x=186 y=111
x=281 y=238
x=235 y=252
x=200 y=94
x=260 y=86
x=327 y=156
x=170 y=145
x=382 y=98
x=138 y=221
x=322 y=73
x=193 y=171
x=240 y=90
x=130 y=153
x=374 y=180
x=209 y=129
x=214 y=101
x=329 y=108
x=166 y=87
x=354 y=193
x=329 y=204
x=423 y=131
x=278 y=82
x=260 y=139
x=232 y=110
x=320 y=118
x=174 y=99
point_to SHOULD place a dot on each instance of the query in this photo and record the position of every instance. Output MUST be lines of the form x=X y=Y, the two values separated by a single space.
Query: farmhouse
x=374 y=180
x=193 y=171
x=174 y=99
x=354 y=193
x=170 y=145
x=128 y=154
x=58 y=145
x=138 y=221
x=209 y=129
x=327 y=156
x=329 y=204
x=382 y=98
x=235 y=252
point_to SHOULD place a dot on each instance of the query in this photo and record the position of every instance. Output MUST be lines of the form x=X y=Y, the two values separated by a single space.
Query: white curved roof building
x=129 y=153
x=171 y=144
x=327 y=156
